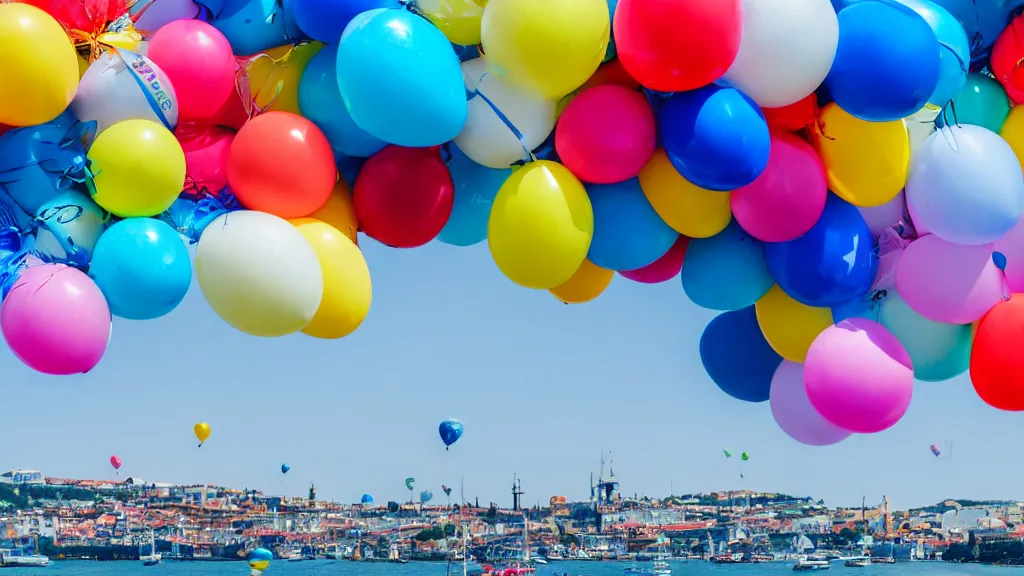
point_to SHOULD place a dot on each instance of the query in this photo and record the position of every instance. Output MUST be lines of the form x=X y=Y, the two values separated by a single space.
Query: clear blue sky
x=541 y=387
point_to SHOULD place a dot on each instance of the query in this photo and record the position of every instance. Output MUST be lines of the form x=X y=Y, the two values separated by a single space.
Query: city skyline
x=541 y=387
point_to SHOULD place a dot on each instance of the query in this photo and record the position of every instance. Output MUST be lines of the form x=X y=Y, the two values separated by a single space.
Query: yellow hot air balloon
x=586 y=284
x=202 y=431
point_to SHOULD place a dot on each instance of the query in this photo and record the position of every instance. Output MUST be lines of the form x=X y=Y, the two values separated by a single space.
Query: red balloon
x=677 y=45
x=115 y=462
x=5 y=128
x=404 y=196
x=794 y=117
x=282 y=164
x=662 y=269
x=997 y=365
x=1007 y=55
x=82 y=16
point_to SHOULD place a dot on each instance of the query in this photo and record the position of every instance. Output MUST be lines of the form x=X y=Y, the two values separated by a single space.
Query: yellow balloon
x=83 y=65
x=789 y=326
x=347 y=291
x=138 y=168
x=458 y=19
x=39 y=69
x=202 y=431
x=541 y=225
x=549 y=47
x=687 y=208
x=1013 y=132
x=340 y=212
x=587 y=283
x=866 y=163
x=274 y=76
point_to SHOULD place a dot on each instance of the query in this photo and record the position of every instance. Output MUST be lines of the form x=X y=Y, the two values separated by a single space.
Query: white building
x=22 y=477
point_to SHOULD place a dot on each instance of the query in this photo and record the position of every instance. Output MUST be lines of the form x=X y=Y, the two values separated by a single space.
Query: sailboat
x=153 y=558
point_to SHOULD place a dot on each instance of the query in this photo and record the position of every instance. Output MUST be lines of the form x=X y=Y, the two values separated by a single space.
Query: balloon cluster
x=841 y=179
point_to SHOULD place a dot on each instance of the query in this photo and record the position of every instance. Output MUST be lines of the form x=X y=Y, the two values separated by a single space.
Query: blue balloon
x=190 y=216
x=727 y=271
x=466 y=53
x=320 y=101
x=325 y=20
x=887 y=62
x=68 y=227
x=716 y=137
x=938 y=351
x=366 y=499
x=475 y=189
x=737 y=357
x=401 y=80
x=983 y=21
x=628 y=233
x=349 y=167
x=610 y=52
x=450 y=431
x=142 y=267
x=285 y=468
x=955 y=53
x=39 y=162
x=832 y=264
x=425 y=496
x=252 y=26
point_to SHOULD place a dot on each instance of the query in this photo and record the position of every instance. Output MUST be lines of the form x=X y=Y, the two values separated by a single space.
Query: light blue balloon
x=400 y=79
x=863 y=307
x=69 y=225
x=938 y=351
x=475 y=189
x=38 y=162
x=320 y=101
x=252 y=26
x=954 y=49
x=983 y=20
x=727 y=271
x=628 y=233
x=142 y=267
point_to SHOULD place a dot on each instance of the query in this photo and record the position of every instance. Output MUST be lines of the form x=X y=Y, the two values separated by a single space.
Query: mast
x=526 y=537
x=465 y=549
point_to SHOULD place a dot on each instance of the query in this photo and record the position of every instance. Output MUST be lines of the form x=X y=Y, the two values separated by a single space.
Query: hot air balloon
x=409 y=483
x=447 y=491
x=202 y=431
x=425 y=496
x=935 y=450
x=727 y=453
x=259 y=560
x=450 y=431
x=744 y=457
x=115 y=461
x=366 y=499
x=285 y=468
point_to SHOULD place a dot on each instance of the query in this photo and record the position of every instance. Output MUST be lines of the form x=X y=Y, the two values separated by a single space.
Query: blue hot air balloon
x=366 y=499
x=425 y=496
x=259 y=559
x=285 y=468
x=450 y=431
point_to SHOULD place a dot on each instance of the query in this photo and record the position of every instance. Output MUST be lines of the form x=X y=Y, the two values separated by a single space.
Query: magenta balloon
x=1012 y=246
x=949 y=283
x=56 y=320
x=858 y=376
x=793 y=411
x=663 y=269
x=154 y=15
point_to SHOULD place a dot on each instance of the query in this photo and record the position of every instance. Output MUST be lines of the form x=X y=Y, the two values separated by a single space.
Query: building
x=19 y=477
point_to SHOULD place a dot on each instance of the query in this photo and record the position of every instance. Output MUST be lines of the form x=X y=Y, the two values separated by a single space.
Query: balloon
x=628 y=233
x=207 y=150
x=389 y=55
x=202 y=432
x=347 y=289
x=997 y=367
x=69 y=226
x=39 y=162
x=606 y=134
x=945 y=176
x=450 y=431
x=252 y=26
x=525 y=46
x=982 y=21
x=891 y=214
x=198 y=60
x=458 y=19
x=1007 y=53
x=954 y=52
x=1013 y=132
x=285 y=468
x=789 y=326
x=155 y=14
x=475 y=189
x=55 y=320
x=541 y=225
x=793 y=411
x=122 y=85
x=737 y=357
x=325 y=20
x=115 y=462
x=794 y=117
x=686 y=207
x=831 y=264
x=366 y=499
x=657 y=41
x=981 y=102
x=40 y=66
x=340 y=212
x=858 y=376
x=320 y=101
x=282 y=164
x=139 y=168
x=504 y=123
x=142 y=267
x=259 y=559
x=788 y=197
x=725 y=272
x=947 y=282
x=662 y=269
x=404 y=196
x=259 y=274
x=887 y=63
x=866 y=163
x=786 y=50
x=938 y=351
x=609 y=73
x=275 y=75
x=716 y=137
x=586 y=284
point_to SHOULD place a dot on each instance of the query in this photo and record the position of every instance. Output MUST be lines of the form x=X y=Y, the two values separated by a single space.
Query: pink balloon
x=197 y=59
x=606 y=134
x=949 y=283
x=1012 y=246
x=793 y=411
x=206 y=156
x=858 y=376
x=56 y=320
x=115 y=461
x=787 y=198
x=662 y=269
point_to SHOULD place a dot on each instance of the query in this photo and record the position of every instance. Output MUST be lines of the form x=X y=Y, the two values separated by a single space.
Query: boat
x=153 y=558
x=18 y=559
x=811 y=563
x=294 y=556
x=657 y=568
x=540 y=560
x=862 y=562
x=883 y=560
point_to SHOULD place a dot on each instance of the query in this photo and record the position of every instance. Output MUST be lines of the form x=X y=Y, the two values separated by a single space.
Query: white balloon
x=486 y=138
x=786 y=50
x=122 y=85
x=259 y=273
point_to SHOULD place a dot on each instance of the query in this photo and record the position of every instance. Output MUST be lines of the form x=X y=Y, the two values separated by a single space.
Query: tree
x=432 y=533
x=847 y=535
